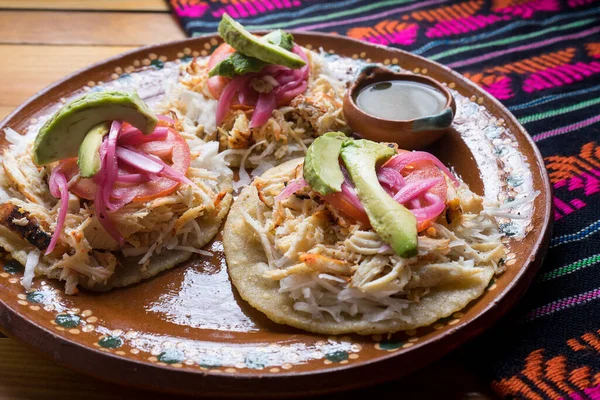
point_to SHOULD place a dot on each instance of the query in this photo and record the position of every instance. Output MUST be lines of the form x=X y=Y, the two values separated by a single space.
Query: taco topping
x=133 y=167
x=129 y=193
x=335 y=270
x=267 y=72
x=256 y=104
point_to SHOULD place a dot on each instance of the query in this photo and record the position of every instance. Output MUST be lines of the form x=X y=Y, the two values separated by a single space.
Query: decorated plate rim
x=485 y=317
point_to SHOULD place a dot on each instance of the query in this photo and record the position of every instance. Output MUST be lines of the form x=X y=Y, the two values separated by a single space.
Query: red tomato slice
x=216 y=84
x=174 y=151
x=414 y=172
x=85 y=187
x=340 y=204
x=425 y=170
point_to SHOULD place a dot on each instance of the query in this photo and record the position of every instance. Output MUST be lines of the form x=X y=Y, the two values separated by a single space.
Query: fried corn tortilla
x=249 y=269
x=158 y=233
x=128 y=271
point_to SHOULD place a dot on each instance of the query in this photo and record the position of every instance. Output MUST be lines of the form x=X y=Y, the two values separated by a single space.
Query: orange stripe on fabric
x=473 y=6
x=450 y=11
x=592 y=340
x=593 y=49
x=420 y=15
x=488 y=80
x=390 y=26
x=428 y=16
x=562 y=167
x=499 y=4
x=435 y=15
x=474 y=78
x=554 y=58
x=556 y=372
x=502 y=69
x=459 y=8
x=566 y=55
x=525 y=66
x=597 y=379
x=582 y=163
x=587 y=153
x=443 y=13
x=534 y=65
x=575 y=345
x=580 y=377
x=514 y=387
x=534 y=371
x=542 y=60
x=514 y=68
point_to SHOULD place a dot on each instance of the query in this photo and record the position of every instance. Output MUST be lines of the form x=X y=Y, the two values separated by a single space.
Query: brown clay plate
x=187 y=331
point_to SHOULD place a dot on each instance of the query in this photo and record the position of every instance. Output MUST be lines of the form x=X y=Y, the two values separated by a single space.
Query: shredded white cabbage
x=19 y=143
x=343 y=271
x=244 y=177
x=33 y=259
x=284 y=136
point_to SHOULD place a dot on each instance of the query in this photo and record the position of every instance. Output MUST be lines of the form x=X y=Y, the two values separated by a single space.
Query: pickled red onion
x=134 y=178
x=122 y=200
x=390 y=179
x=264 y=108
x=431 y=211
x=291 y=93
x=228 y=95
x=166 y=171
x=349 y=193
x=247 y=95
x=415 y=189
x=110 y=166
x=101 y=207
x=292 y=187
x=138 y=161
x=135 y=136
x=286 y=84
x=401 y=161
x=58 y=189
x=166 y=119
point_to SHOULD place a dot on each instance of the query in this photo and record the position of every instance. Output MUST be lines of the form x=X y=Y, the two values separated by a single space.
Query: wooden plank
x=4 y=111
x=28 y=376
x=127 y=5
x=35 y=67
x=91 y=28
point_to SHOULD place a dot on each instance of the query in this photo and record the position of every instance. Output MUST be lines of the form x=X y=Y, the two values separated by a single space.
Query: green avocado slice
x=61 y=136
x=240 y=64
x=394 y=223
x=88 y=158
x=234 y=34
x=322 y=169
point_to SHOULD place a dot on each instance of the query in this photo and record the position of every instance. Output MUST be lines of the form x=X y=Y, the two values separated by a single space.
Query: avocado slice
x=396 y=225
x=61 y=136
x=88 y=158
x=240 y=64
x=234 y=34
x=237 y=64
x=322 y=169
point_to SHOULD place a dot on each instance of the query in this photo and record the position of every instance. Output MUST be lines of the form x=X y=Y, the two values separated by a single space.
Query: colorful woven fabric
x=541 y=58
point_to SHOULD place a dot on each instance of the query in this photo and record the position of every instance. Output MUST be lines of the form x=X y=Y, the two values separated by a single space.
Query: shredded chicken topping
x=85 y=251
x=285 y=135
x=340 y=269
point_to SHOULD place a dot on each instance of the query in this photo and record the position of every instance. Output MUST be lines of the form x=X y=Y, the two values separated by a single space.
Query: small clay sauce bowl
x=411 y=134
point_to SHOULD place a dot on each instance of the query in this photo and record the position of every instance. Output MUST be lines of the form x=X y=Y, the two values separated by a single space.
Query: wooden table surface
x=48 y=39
